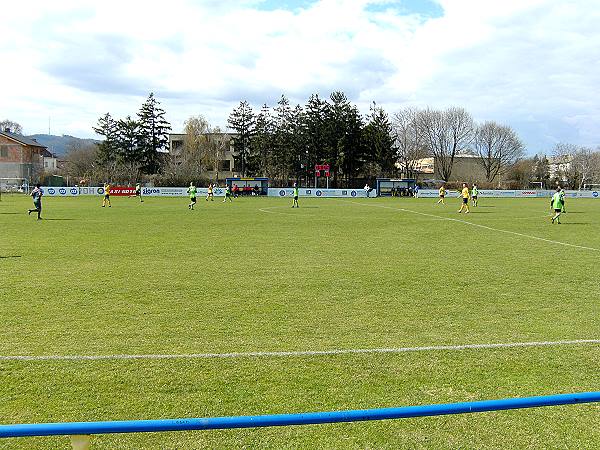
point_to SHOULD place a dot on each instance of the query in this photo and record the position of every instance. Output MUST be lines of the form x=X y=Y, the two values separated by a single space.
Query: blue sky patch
x=288 y=5
x=425 y=8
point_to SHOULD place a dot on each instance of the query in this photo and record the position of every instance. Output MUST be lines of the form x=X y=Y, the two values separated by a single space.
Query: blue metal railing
x=138 y=426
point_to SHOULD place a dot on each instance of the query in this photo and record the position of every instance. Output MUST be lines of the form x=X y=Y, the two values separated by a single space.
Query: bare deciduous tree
x=10 y=126
x=498 y=147
x=445 y=133
x=215 y=144
x=80 y=163
x=196 y=129
x=408 y=140
x=562 y=157
x=575 y=166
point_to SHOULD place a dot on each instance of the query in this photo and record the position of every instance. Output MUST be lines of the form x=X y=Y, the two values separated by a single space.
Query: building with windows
x=226 y=165
x=23 y=158
x=559 y=167
x=466 y=168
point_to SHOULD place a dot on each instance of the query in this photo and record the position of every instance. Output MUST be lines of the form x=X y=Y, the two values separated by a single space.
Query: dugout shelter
x=250 y=185
x=399 y=186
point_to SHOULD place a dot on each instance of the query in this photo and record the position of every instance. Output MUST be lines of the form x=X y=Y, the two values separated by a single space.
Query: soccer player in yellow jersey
x=106 y=200
x=465 y=199
x=442 y=195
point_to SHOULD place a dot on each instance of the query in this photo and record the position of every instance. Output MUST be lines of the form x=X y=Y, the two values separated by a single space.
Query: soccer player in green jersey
x=192 y=191
x=562 y=197
x=474 y=194
x=295 y=202
x=557 y=204
x=228 y=195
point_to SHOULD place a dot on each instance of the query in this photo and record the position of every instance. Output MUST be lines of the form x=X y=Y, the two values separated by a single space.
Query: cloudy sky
x=532 y=64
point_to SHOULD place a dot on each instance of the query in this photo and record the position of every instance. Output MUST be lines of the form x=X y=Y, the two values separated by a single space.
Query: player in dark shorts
x=474 y=194
x=442 y=193
x=138 y=192
x=556 y=203
x=228 y=195
x=295 y=202
x=192 y=191
x=106 y=199
x=37 y=194
x=465 y=199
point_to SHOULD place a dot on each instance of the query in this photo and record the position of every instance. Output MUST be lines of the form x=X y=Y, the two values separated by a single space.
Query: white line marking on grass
x=566 y=244
x=266 y=210
x=236 y=355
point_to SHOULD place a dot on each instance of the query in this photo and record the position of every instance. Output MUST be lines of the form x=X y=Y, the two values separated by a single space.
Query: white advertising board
x=512 y=193
x=179 y=192
x=61 y=191
x=311 y=192
x=320 y=193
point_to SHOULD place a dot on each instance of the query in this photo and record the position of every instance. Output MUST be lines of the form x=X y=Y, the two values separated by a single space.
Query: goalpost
x=591 y=187
x=14 y=185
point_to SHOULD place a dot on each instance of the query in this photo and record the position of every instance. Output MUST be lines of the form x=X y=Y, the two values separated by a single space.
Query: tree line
x=285 y=142
x=132 y=147
x=569 y=166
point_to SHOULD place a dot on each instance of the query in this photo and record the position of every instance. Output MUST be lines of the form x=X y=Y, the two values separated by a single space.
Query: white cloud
x=528 y=63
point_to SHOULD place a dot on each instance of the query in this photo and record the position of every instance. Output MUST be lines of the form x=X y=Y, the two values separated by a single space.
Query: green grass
x=156 y=278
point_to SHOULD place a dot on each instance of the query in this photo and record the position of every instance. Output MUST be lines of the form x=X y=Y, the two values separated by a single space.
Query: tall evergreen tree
x=344 y=129
x=379 y=143
x=108 y=148
x=129 y=150
x=299 y=143
x=261 y=156
x=283 y=152
x=242 y=121
x=315 y=129
x=541 y=170
x=153 y=134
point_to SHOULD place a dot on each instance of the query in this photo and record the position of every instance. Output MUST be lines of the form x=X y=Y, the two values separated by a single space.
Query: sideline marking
x=482 y=226
x=266 y=210
x=298 y=353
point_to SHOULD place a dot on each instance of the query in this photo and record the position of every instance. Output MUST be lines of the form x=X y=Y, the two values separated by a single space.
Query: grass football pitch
x=255 y=275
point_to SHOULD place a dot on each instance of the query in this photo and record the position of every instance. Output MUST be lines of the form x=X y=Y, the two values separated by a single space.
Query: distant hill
x=61 y=144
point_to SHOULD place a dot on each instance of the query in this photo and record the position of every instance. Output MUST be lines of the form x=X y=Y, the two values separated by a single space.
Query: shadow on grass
x=575 y=223
x=10 y=256
x=10 y=213
x=485 y=206
x=59 y=219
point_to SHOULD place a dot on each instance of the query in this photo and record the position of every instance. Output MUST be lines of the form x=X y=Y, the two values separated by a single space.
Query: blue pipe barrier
x=138 y=426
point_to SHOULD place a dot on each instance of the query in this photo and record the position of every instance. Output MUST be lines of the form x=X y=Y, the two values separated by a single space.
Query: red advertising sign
x=122 y=190
x=317 y=174
x=327 y=173
x=324 y=167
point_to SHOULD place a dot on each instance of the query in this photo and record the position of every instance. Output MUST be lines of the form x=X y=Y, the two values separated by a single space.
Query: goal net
x=14 y=185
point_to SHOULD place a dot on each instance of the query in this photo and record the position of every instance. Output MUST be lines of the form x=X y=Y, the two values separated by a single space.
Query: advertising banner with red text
x=122 y=190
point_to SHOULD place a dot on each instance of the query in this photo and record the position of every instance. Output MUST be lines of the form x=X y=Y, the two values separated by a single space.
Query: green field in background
x=256 y=275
